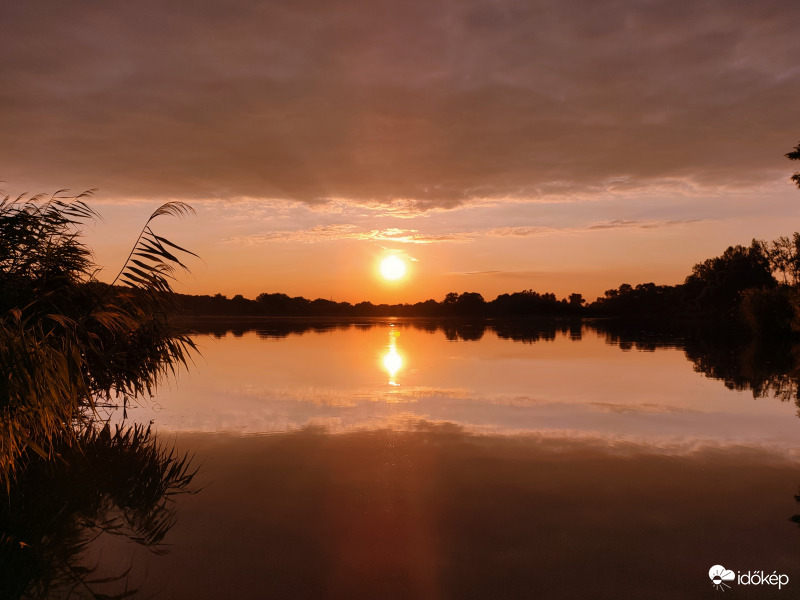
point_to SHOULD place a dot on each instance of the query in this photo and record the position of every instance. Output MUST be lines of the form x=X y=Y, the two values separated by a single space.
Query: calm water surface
x=410 y=460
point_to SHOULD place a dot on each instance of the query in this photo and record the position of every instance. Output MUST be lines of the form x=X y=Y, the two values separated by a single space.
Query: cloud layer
x=414 y=104
x=334 y=232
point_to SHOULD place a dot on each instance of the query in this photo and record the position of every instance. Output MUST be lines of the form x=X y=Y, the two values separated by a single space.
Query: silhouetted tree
x=470 y=303
x=450 y=299
x=715 y=285
x=769 y=311
x=784 y=257
x=576 y=300
x=795 y=155
x=646 y=300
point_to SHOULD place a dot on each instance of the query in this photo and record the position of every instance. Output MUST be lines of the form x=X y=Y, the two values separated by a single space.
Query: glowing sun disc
x=392 y=268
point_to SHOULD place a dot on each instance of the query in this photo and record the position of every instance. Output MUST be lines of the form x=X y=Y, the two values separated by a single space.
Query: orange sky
x=499 y=146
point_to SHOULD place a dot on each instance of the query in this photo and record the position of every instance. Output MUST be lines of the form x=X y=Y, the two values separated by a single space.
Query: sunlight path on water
x=392 y=375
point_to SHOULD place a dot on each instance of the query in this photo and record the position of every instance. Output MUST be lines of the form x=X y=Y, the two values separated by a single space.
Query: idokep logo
x=719 y=576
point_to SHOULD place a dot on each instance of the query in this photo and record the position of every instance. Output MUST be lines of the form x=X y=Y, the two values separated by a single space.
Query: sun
x=392 y=268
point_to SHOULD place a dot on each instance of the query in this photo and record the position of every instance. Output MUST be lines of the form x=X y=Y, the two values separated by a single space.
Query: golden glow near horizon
x=392 y=360
x=393 y=268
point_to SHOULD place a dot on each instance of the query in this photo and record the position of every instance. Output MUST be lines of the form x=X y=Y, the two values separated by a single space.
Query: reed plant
x=68 y=342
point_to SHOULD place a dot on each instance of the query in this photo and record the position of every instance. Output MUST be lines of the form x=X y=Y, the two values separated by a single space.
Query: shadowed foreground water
x=437 y=513
x=391 y=461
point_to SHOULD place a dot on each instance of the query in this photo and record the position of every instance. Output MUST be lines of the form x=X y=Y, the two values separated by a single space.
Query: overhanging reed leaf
x=67 y=340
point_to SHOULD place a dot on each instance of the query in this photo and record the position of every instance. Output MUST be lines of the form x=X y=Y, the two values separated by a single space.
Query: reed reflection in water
x=70 y=527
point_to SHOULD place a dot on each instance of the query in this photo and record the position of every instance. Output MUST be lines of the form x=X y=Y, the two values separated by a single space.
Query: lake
x=416 y=459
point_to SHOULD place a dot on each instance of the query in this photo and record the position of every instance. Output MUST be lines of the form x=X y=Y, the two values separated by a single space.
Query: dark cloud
x=432 y=103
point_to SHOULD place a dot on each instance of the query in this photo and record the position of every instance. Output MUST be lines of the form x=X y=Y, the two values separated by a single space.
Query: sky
x=495 y=145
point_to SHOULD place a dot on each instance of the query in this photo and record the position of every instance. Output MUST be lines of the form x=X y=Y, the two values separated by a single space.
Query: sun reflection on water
x=392 y=360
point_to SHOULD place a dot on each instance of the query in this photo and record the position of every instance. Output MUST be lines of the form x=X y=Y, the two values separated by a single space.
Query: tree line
x=755 y=286
x=466 y=304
